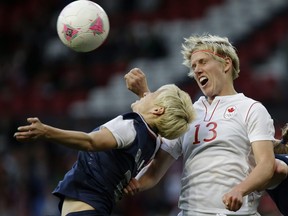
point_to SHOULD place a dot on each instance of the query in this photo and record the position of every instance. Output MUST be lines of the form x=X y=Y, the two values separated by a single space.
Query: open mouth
x=203 y=80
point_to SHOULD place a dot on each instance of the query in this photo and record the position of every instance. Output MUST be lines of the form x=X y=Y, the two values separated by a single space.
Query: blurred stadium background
x=40 y=77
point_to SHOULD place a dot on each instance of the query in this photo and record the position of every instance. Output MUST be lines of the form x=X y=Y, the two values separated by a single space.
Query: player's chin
x=134 y=105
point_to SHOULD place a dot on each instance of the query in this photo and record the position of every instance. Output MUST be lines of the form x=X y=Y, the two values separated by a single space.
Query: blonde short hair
x=219 y=47
x=178 y=114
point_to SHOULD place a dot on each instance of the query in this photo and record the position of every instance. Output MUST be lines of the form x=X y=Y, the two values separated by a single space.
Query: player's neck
x=227 y=93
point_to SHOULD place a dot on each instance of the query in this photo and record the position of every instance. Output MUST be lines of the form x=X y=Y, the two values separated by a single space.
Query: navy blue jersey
x=280 y=193
x=98 y=178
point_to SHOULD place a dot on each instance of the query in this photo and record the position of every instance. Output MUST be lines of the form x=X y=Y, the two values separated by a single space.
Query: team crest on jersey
x=230 y=112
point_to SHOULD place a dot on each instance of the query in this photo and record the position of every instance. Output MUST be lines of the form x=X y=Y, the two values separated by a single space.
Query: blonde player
x=228 y=150
x=114 y=152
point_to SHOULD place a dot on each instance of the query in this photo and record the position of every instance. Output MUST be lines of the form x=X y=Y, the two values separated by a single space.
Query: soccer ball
x=83 y=25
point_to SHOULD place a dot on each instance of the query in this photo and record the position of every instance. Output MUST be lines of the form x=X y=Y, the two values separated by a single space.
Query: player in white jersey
x=228 y=151
x=218 y=154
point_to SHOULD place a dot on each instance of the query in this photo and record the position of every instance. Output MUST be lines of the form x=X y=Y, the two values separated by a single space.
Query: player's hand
x=30 y=132
x=132 y=188
x=136 y=82
x=233 y=200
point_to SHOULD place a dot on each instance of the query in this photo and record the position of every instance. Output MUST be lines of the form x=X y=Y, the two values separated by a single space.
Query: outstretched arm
x=151 y=174
x=136 y=82
x=94 y=141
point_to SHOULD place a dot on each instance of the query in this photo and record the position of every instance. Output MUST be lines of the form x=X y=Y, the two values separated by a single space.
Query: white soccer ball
x=83 y=25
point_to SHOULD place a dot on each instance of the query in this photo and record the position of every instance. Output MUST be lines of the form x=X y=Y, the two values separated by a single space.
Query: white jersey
x=217 y=153
x=122 y=130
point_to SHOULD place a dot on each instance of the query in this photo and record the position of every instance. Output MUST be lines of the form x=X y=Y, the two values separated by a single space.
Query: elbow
x=280 y=170
x=271 y=176
x=90 y=146
x=279 y=174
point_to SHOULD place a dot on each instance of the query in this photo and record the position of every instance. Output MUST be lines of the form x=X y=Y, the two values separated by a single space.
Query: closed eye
x=200 y=62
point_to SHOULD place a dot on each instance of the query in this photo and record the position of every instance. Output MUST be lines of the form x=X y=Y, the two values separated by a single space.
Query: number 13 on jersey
x=209 y=136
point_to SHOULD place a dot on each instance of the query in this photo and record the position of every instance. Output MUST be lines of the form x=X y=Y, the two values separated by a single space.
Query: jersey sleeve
x=123 y=130
x=173 y=147
x=260 y=125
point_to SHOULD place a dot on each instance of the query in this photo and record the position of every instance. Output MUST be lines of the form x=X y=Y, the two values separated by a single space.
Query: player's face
x=209 y=74
x=146 y=103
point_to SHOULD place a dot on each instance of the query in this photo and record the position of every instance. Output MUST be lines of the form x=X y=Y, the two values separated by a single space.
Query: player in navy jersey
x=116 y=151
x=228 y=158
x=279 y=192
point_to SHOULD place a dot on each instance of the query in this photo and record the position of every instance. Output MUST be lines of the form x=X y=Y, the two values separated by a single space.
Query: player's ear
x=228 y=64
x=158 y=110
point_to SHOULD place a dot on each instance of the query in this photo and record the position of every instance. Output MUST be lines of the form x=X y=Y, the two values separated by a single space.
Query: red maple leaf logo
x=231 y=110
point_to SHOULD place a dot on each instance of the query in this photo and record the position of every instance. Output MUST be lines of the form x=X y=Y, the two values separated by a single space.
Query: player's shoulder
x=254 y=107
x=250 y=102
x=121 y=121
x=131 y=115
x=247 y=99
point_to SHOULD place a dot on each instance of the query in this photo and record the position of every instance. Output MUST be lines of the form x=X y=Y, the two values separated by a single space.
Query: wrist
x=46 y=133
